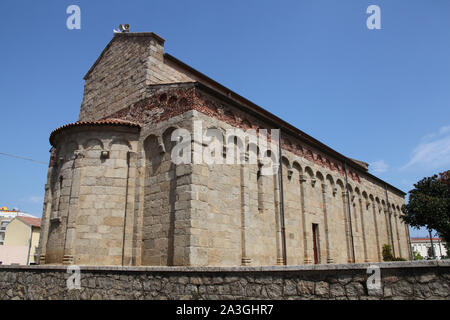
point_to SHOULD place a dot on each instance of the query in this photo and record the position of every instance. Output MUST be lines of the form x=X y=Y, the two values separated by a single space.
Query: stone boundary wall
x=399 y=280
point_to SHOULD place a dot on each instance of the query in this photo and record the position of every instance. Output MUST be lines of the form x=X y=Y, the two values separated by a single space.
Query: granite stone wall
x=399 y=280
x=203 y=214
x=89 y=196
x=121 y=74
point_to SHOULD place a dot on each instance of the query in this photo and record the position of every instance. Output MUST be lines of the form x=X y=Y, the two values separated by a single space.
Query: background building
x=423 y=245
x=6 y=216
x=19 y=237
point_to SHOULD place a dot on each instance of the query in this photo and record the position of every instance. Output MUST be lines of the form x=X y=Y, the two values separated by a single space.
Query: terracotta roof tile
x=424 y=239
x=108 y=121
x=35 y=222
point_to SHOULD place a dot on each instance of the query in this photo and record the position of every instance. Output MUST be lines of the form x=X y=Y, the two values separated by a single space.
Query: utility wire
x=23 y=158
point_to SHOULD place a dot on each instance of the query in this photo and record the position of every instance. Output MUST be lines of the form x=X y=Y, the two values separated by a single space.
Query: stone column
x=139 y=209
x=185 y=196
x=386 y=217
x=46 y=212
x=260 y=185
x=347 y=227
x=363 y=231
x=55 y=214
x=245 y=206
x=280 y=260
x=377 y=236
x=391 y=232
x=398 y=235
x=408 y=238
x=128 y=222
x=73 y=208
x=303 y=199
x=325 y=218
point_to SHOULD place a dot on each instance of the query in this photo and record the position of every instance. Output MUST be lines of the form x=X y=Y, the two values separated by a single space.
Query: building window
x=3 y=225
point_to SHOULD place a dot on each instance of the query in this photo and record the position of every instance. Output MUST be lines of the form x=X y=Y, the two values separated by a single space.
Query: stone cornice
x=168 y=100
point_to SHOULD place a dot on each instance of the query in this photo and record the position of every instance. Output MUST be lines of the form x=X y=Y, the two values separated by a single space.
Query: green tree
x=417 y=256
x=387 y=253
x=429 y=205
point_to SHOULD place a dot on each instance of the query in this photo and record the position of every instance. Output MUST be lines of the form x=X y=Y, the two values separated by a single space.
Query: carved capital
x=132 y=156
x=290 y=173
x=67 y=259
x=244 y=157
x=161 y=148
x=79 y=154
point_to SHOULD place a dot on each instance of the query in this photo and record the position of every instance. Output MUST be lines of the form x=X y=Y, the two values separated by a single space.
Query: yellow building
x=6 y=216
x=21 y=240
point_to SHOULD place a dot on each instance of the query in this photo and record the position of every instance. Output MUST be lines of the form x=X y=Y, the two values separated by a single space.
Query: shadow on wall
x=159 y=201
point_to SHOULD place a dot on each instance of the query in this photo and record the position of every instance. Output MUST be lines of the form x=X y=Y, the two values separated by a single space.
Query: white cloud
x=433 y=151
x=444 y=130
x=36 y=199
x=378 y=166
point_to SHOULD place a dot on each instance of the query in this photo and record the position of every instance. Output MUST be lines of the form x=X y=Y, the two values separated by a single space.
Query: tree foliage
x=429 y=205
x=387 y=252
x=388 y=255
x=417 y=256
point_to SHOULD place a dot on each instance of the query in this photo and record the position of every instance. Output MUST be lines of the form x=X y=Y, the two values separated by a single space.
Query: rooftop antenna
x=123 y=28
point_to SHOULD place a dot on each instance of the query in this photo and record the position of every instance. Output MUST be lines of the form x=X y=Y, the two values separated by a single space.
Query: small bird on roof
x=122 y=28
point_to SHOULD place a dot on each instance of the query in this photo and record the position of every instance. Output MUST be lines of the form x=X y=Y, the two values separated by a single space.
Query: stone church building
x=115 y=197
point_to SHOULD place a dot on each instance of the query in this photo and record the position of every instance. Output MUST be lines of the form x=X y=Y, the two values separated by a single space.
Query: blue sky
x=381 y=96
